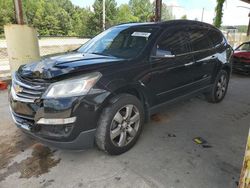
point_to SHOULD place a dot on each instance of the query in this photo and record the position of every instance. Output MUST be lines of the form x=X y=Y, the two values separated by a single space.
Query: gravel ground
x=165 y=156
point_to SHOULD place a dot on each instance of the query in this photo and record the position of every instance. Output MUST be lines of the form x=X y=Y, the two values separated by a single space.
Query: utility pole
x=103 y=14
x=19 y=12
x=158 y=5
x=202 y=14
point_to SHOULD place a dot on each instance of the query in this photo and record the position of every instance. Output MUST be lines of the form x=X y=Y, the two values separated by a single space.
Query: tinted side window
x=172 y=42
x=216 y=37
x=199 y=39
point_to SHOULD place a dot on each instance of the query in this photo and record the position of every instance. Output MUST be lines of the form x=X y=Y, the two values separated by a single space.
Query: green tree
x=166 y=13
x=30 y=8
x=64 y=21
x=80 y=18
x=65 y=4
x=6 y=13
x=141 y=9
x=61 y=17
x=125 y=15
x=46 y=20
x=95 y=20
x=219 y=13
x=52 y=17
x=184 y=17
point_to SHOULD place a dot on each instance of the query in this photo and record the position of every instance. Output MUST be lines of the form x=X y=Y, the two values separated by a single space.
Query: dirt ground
x=190 y=144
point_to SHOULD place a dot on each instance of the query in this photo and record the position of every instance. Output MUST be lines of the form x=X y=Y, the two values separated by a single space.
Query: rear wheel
x=120 y=124
x=219 y=89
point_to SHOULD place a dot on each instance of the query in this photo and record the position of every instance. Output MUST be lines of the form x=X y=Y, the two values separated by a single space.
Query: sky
x=233 y=15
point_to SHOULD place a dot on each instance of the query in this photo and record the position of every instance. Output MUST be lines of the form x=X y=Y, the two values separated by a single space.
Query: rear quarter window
x=199 y=39
x=216 y=37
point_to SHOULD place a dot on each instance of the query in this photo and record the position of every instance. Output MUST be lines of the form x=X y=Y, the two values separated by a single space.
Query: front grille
x=25 y=90
x=46 y=131
x=21 y=119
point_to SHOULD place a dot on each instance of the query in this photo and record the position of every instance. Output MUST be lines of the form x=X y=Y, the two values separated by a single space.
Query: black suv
x=104 y=91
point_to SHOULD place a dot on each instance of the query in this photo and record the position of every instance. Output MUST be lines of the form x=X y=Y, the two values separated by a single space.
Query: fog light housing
x=61 y=121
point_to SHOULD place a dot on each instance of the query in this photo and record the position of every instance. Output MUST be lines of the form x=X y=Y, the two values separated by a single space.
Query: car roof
x=168 y=23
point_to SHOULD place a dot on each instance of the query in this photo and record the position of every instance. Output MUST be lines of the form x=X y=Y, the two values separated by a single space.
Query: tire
x=117 y=128
x=219 y=88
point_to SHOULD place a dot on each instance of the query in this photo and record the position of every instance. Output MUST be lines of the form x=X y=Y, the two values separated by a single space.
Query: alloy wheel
x=221 y=86
x=125 y=125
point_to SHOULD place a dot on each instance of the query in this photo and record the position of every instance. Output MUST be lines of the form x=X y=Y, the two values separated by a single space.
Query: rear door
x=204 y=55
x=171 y=62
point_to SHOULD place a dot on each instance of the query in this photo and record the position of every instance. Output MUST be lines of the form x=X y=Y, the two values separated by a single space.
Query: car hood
x=242 y=54
x=54 y=66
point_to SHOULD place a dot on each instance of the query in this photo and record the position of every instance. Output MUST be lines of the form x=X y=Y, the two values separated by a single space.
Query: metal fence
x=236 y=38
x=48 y=45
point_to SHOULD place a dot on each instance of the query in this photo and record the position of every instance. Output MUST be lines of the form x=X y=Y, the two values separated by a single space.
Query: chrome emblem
x=18 y=89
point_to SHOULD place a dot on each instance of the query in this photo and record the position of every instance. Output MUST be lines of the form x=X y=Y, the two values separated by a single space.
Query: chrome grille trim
x=32 y=86
x=28 y=96
x=17 y=98
x=29 y=92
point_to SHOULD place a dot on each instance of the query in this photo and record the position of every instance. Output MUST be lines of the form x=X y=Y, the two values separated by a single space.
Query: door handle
x=189 y=64
x=169 y=56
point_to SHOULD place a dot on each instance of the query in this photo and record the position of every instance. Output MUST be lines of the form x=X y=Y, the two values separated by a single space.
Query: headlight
x=72 y=87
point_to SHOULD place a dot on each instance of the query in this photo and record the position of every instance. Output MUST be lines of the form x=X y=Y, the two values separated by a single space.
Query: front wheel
x=219 y=88
x=120 y=124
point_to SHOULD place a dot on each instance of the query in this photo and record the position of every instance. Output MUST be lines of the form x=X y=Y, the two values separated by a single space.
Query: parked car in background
x=104 y=91
x=241 y=58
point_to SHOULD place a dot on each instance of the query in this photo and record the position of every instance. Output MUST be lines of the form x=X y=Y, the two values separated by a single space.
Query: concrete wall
x=47 y=46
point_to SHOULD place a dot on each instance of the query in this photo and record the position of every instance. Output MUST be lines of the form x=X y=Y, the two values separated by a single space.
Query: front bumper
x=84 y=140
x=77 y=135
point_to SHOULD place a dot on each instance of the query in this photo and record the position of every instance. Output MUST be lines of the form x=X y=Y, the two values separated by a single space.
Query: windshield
x=119 y=42
x=244 y=47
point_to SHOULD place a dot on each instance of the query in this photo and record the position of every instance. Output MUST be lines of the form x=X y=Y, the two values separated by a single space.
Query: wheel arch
x=134 y=90
x=228 y=69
